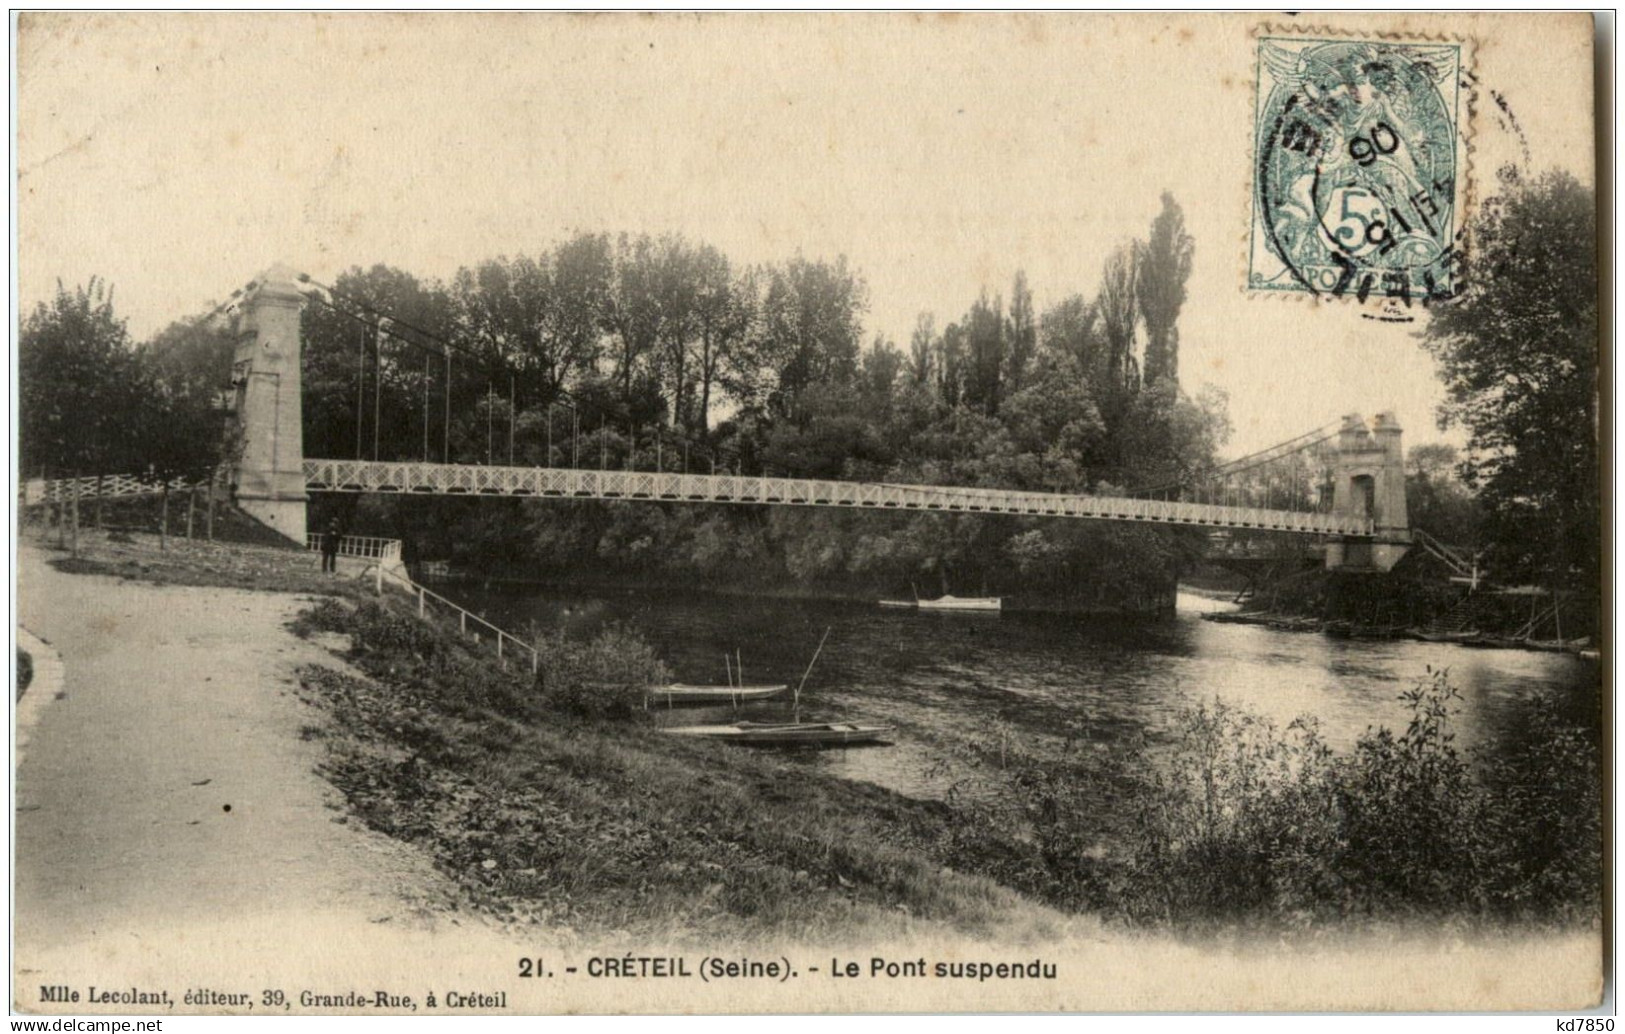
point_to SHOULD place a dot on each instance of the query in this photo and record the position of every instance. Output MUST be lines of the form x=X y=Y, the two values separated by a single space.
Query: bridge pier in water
x=1369 y=482
x=269 y=473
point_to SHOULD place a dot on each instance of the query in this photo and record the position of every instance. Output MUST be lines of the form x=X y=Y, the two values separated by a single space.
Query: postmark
x=1359 y=174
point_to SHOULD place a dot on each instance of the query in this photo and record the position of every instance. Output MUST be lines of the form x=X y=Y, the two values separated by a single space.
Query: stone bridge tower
x=1369 y=481
x=269 y=471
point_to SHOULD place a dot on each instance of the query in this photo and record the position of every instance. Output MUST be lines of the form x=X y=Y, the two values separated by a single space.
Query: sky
x=177 y=155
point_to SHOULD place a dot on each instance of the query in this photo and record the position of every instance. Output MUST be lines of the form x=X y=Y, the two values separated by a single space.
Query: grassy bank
x=552 y=801
x=549 y=810
x=143 y=556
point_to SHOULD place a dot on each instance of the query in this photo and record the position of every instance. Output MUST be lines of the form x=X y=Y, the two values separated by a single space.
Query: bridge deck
x=561 y=483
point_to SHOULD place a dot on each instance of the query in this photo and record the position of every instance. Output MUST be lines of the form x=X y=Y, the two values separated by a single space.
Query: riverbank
x=732 y=844
x=1286 y=622
x=634 y=841
x=546 y=816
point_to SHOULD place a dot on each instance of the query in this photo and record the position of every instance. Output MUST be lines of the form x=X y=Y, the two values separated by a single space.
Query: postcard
x=527 y=514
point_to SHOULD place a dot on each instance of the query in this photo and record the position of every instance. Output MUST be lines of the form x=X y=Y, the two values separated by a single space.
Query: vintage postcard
x=807 y=513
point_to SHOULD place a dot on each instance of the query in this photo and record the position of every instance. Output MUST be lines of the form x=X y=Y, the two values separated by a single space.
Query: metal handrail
x=464 y=615
x=388 y=554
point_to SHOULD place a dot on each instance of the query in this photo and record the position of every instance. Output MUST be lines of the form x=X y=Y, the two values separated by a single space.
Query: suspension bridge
x=1359 y=509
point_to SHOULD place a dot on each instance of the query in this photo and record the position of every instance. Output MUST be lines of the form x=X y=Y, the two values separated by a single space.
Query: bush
x=1548 y=826
x=1242 y=824
x=327 y=615
x=25 y=671
x=375 y=628
x=607 y=676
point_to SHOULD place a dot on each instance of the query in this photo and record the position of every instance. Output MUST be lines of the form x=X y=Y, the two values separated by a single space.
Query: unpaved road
x=168 y=812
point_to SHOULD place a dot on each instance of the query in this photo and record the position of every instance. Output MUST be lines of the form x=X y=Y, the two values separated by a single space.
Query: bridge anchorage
x=1361 y=516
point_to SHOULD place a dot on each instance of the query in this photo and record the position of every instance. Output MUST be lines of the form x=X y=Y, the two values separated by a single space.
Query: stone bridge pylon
x=269 y=471
x=1369 y=482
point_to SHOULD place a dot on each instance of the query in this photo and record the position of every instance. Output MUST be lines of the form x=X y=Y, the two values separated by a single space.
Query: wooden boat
x=902 y=604
x=962 y=603
x=681 y=693
x=1443 y=637
x=786 y=732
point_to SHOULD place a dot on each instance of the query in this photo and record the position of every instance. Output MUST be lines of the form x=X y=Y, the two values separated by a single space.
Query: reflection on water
x=943 y=677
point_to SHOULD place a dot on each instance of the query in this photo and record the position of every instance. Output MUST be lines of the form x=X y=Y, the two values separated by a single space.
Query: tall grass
x=1239 y=823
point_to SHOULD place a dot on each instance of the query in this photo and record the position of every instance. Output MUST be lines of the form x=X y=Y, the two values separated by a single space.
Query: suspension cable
x=445 y=345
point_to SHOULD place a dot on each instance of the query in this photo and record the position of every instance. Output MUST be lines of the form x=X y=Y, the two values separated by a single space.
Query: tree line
x=645 y=351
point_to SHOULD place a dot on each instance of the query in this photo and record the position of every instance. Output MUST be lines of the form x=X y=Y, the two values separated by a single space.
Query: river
x=946 y=679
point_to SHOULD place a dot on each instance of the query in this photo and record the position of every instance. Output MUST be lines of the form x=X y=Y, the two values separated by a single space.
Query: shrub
x=1239 y=823
x=1547 y=830
x=326 y=615
x=25 y=670
x=375 y=628
x=606 y=676
x=1234 y=824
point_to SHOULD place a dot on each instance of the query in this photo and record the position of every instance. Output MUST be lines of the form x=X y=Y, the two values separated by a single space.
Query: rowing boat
x=962 y=603
x=785 y=732
x=680 y=693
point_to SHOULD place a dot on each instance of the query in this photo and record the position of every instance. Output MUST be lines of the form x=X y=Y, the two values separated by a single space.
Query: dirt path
x=167 y=807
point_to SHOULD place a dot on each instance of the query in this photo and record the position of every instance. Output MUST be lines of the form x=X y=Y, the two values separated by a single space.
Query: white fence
x=364 y=546
x=108 y=486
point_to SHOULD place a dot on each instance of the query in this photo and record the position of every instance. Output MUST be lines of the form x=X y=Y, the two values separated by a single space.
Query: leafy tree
x=725 y=309
x=568 y=337
x=78 y=387
x=922 y=350
x=811 y=326
x=1165 y=266
x=633 y=314
x=1021 y=331
x=1438 y=501
x=183 y=373
x=1119 y=311
x=192 y=356
x=985 y=336
x=1518 y=355
x=676 y=280
x=91 y=403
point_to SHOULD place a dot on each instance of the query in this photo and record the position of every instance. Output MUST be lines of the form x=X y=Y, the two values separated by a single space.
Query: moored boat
x=682 y=693
x=963 y=603
x=786 y=732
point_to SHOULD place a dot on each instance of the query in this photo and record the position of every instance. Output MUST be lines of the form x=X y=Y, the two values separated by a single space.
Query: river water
x=948 y=679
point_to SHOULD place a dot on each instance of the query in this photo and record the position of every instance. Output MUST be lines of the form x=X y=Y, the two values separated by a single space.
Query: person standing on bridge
x=330 y=548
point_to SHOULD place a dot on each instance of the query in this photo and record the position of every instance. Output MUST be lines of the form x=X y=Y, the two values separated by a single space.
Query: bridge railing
x=457 y=479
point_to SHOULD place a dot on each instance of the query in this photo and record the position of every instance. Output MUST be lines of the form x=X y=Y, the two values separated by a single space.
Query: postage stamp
x=1358 y=167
